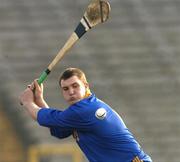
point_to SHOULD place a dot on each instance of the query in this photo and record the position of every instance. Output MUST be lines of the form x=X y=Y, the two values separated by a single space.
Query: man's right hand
x=38 y=94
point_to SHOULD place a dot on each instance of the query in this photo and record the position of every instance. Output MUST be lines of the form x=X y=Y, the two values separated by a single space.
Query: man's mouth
x=72 y=98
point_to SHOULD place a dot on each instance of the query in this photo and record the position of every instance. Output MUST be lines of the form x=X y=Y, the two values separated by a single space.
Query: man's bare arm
x=32 y=109
x=27 y=100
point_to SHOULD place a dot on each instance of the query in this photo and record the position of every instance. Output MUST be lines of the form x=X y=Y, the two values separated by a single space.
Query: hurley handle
x=43 y=76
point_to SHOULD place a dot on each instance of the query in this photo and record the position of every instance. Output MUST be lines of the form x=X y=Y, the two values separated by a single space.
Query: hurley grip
x=43 y=76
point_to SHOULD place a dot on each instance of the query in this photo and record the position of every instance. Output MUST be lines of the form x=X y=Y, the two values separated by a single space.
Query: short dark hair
x=69 y=72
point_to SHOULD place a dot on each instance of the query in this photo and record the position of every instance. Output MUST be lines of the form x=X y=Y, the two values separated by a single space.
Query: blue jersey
x=102 y=139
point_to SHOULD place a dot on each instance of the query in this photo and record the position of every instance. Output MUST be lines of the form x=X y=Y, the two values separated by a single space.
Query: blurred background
x=132 y=62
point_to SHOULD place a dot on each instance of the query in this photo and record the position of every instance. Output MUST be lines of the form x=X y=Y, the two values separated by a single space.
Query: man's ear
x=86 y=85
x=88 y=92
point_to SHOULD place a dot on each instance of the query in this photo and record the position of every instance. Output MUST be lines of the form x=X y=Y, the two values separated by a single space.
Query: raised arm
x=32 y=99
x=27 y=101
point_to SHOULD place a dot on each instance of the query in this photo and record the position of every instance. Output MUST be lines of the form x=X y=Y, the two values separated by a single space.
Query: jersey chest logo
x=100 y=113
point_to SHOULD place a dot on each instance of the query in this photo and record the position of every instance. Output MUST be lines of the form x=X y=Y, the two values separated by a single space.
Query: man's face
x=73 y=89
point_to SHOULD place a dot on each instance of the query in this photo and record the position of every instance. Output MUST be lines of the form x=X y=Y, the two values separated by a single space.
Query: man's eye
x=65 y=88
x=75 y=85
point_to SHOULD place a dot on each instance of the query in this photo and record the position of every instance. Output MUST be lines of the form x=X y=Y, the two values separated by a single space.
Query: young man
x=98 y=129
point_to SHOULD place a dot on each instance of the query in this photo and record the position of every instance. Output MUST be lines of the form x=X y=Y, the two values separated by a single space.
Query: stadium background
x=132 y=62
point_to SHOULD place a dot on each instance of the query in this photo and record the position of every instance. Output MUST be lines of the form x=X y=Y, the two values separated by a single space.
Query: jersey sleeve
x=69 y=119
x=59 y=132
x=54 y=130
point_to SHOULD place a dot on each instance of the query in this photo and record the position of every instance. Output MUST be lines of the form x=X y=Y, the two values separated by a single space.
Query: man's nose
x=71 y=91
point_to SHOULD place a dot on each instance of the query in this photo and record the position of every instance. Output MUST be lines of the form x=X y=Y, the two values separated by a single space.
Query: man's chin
x=71 y=102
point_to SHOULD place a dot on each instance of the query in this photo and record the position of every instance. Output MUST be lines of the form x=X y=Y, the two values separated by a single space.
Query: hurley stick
x=97 y=12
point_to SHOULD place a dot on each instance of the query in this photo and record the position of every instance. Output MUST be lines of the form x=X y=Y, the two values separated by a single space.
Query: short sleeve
x=60 y=132
x=69 y=119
